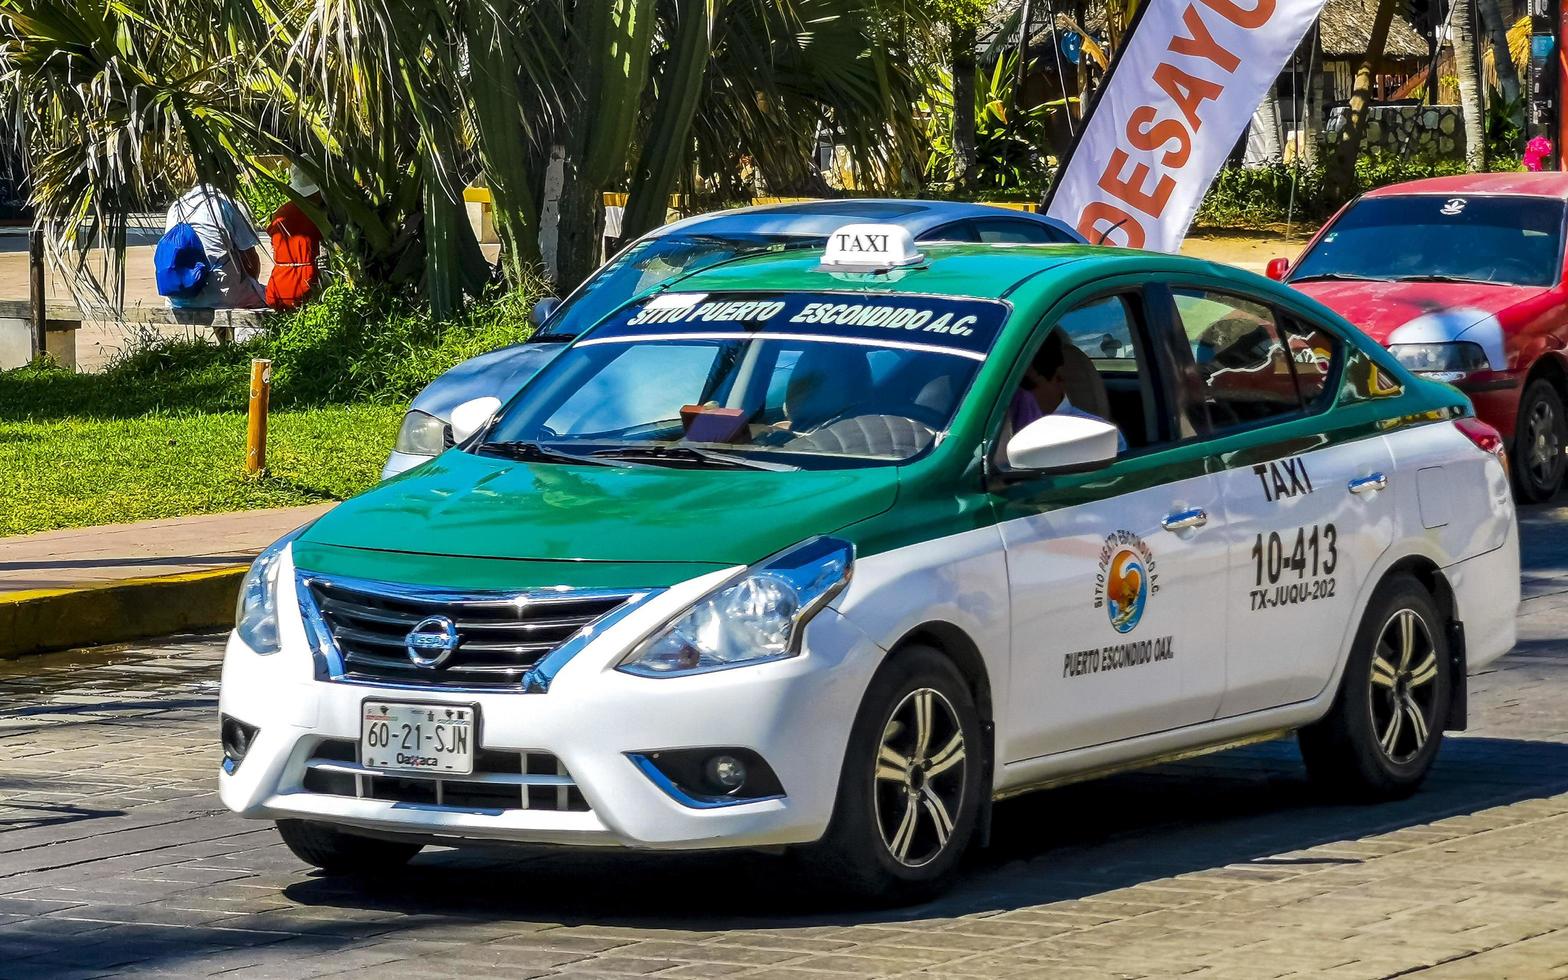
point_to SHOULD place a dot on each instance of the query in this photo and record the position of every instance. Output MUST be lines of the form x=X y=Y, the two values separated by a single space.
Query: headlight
x=753 y=618
x=256 y=613
x=1442 y=362
x=422 y=435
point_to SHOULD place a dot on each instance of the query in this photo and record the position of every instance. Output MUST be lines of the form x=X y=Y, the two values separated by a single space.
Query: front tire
x=338 y=853
x=1540 y=435
x=909 y=793
x=1379 y=740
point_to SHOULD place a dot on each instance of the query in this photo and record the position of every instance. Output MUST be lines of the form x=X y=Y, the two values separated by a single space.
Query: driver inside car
x=1043 y=390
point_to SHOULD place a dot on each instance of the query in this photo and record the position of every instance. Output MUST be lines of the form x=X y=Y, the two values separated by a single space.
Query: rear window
x=1420 y=237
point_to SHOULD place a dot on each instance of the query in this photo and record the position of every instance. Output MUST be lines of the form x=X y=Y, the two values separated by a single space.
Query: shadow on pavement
x=1240 y=808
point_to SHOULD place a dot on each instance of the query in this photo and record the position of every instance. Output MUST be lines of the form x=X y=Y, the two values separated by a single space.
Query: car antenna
x=1107 y=232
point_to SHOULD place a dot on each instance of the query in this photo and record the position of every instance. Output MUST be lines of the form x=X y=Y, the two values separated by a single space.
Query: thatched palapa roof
x=1345 y=24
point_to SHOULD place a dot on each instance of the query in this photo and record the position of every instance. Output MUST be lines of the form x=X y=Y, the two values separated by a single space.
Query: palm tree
x=393 y=106
x=1467 y=70
x=1496 y=28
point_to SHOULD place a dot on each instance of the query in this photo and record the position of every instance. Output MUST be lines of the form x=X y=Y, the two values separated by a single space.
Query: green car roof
x=983 y=271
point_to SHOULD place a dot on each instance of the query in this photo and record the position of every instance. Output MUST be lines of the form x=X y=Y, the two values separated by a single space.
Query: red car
x=1462 y=279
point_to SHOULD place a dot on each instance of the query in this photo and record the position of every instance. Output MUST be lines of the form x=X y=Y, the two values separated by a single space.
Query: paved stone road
x=117 y=858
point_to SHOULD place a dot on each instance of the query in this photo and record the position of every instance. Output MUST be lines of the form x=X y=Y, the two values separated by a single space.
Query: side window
x=1247 y=357
x=1102 y=330
x=1315 y=354
x=1088 y=362
x=1013 y=230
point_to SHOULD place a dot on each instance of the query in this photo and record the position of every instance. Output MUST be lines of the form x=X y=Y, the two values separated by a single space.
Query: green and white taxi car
x=809 y=550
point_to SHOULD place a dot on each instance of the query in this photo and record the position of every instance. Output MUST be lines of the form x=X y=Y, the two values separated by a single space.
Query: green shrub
x=1255 y=197
x=350 y=345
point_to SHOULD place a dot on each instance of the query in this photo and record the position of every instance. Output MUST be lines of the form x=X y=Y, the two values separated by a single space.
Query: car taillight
x=1486 y=438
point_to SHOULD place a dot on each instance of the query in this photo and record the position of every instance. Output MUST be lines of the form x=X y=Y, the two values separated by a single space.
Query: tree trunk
x=1469 y=84
x=613 y=38
x=1496 y=32
x=579 y=236
x=503 y=143
x=1340 y=179
x=669 y=133
x=963 y=65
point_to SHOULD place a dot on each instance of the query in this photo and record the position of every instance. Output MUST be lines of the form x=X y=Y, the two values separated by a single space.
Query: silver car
x=676 y=250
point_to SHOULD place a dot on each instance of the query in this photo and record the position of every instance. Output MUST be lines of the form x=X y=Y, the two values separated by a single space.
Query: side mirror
x=1276 y=269
x=471 y=416
x=543 y=307
x=1061 y=442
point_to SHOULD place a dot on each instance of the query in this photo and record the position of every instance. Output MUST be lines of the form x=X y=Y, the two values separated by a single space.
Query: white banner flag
x=1179 y=95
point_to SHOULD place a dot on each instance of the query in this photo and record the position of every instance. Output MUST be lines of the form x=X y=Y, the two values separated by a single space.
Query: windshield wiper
x=1434 y=277
x=686 y=454
x=533 y=452
x=1346 y=276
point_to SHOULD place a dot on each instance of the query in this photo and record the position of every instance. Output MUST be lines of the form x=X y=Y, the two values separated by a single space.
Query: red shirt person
x=296 y=246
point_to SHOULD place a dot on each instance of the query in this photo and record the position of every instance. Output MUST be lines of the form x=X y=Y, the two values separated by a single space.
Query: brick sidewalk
x=96 y=555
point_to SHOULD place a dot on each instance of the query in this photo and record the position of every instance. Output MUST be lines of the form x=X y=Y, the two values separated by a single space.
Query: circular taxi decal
x=1126 y=589
x=1125 y=580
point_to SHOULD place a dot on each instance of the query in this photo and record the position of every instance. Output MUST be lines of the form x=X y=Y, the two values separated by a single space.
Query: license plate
x=430 y=738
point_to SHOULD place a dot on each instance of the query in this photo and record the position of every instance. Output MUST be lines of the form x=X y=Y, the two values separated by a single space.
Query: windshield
x=652 y=262
x=757 y=380
x=1504 y=240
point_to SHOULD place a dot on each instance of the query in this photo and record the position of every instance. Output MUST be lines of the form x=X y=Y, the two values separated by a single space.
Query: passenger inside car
x=1058 y=371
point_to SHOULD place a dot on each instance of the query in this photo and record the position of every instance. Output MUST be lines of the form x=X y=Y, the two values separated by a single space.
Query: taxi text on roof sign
x=870 y=248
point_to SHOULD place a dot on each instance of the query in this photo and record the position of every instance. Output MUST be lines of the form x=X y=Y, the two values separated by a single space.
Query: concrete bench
x=86 y=341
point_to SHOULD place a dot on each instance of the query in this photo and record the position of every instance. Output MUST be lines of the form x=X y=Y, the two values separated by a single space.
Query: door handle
x=1183 y=519
x=1371 y=483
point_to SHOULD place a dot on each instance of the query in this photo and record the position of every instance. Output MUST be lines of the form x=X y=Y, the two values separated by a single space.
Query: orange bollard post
x=256 y=431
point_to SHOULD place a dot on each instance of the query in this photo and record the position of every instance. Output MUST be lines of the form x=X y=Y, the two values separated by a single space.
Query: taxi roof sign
x=870 y=248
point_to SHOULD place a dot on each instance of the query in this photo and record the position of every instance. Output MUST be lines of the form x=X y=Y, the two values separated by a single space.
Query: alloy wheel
x=1543 y=443
x=1404 y=690
x=920 y=777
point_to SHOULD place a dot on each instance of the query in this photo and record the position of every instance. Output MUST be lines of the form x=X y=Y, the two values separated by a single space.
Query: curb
x=113 y=612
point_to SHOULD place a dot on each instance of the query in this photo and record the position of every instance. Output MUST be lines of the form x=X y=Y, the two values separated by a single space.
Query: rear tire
x=1540 y=435
x=1379 y=740
x=338 y=853
x=909 y=793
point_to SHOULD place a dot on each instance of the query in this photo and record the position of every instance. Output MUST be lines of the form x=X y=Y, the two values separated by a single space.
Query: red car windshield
x=1515 y=241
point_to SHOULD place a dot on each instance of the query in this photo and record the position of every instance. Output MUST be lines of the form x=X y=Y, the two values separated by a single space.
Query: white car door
x=1114 y=575
x=1306 y=508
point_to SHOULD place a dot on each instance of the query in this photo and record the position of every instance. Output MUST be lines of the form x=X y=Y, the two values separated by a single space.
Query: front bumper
x=794 y=713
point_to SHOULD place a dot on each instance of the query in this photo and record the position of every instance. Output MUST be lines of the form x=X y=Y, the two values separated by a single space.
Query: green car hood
x=466 y=506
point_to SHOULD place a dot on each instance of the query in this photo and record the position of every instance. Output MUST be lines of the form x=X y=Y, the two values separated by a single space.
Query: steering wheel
x=929 y=417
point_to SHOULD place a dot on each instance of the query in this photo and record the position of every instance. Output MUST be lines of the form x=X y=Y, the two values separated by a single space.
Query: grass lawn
x=75 y=471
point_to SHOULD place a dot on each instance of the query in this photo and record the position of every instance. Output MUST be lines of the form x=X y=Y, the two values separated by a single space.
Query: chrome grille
x=501 y=780
x=501 y=636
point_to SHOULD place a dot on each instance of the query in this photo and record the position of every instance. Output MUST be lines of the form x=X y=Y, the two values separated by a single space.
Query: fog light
x=236 y=737
x=717 y=775
x=726 y=773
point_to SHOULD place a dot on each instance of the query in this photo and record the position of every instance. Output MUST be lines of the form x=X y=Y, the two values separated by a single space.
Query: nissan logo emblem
x=431 y=641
